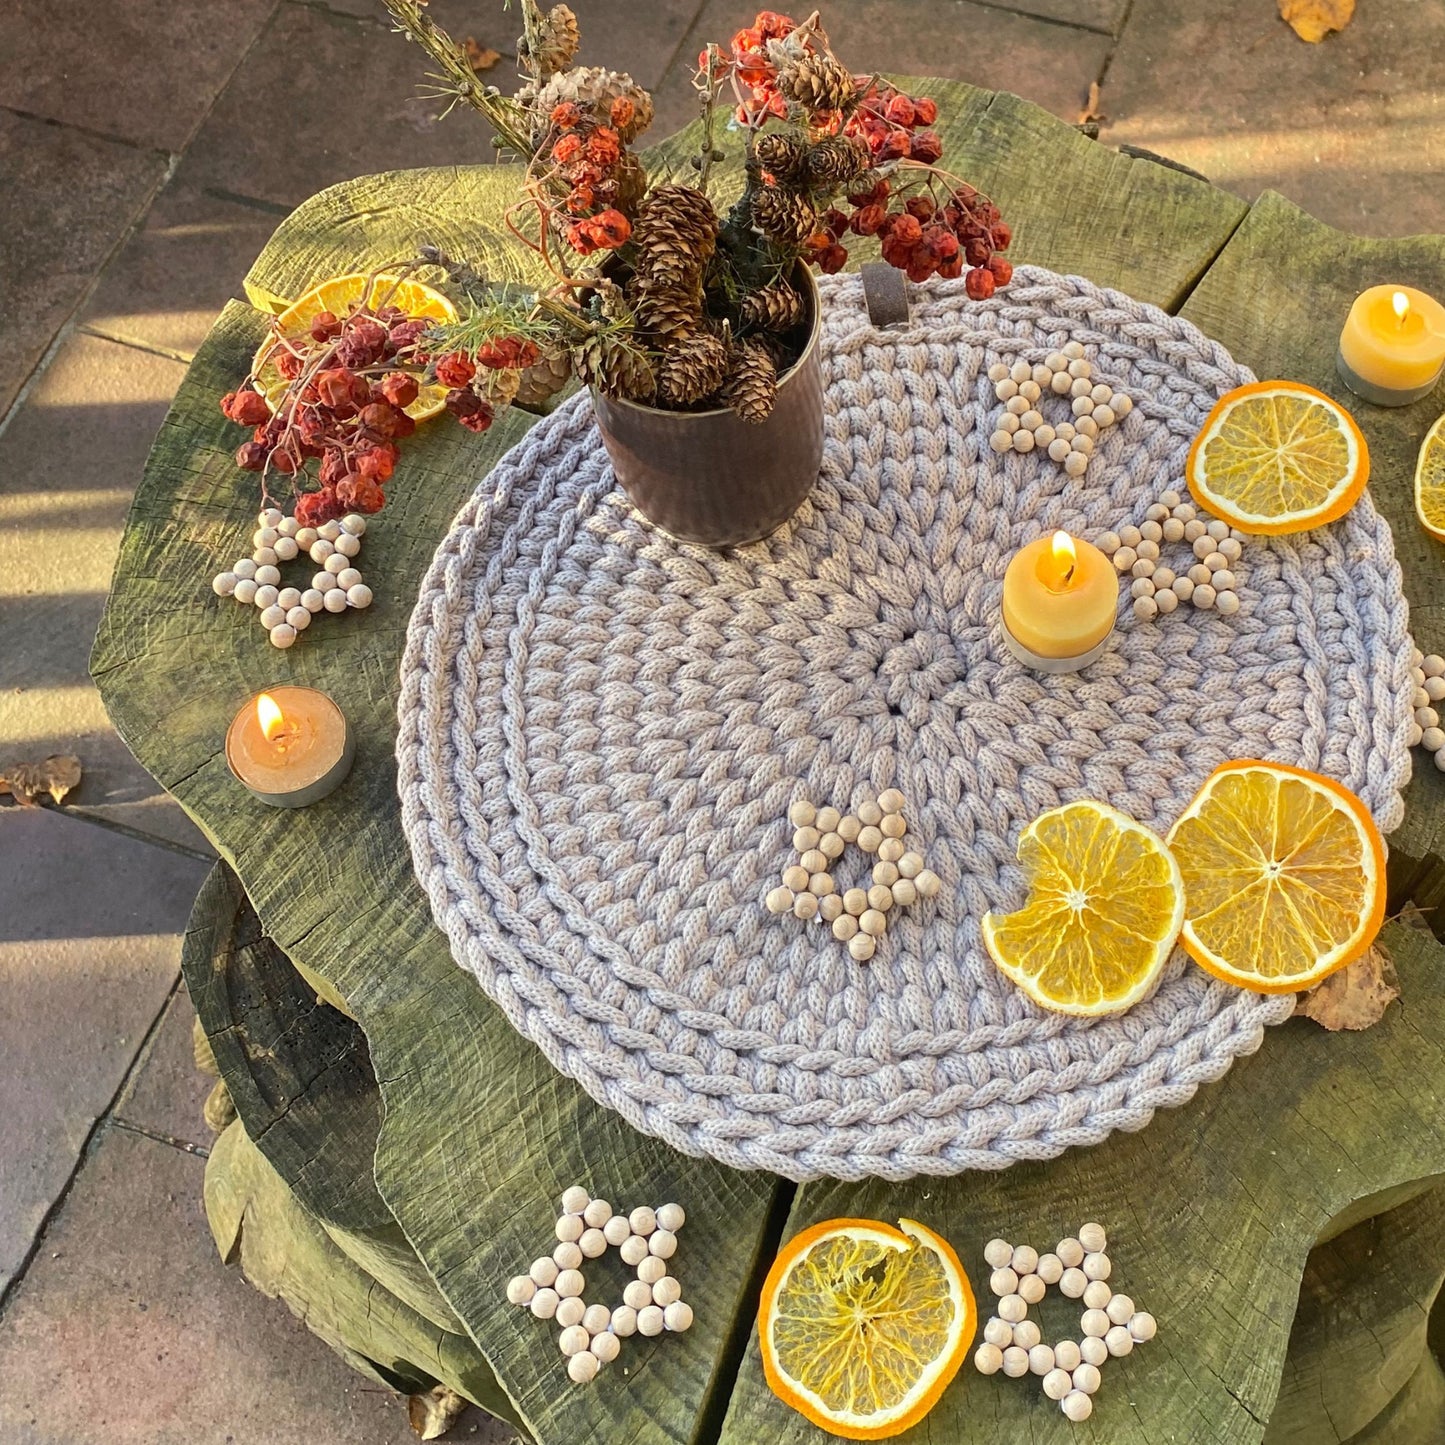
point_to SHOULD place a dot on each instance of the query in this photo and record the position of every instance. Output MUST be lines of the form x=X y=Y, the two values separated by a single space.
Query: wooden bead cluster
x=1109 y=1327
x=1425 y=729
x=1094 y=405
x=591 y=1335
x=1212 y=580
x=286 y=612
x=858 y=916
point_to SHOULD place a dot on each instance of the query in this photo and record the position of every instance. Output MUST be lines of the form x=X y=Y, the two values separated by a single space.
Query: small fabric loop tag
x=885 y=291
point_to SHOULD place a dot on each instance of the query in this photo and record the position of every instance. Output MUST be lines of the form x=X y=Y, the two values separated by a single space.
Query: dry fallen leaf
x=1091 y=111
x=480 y=57
x=1355 y=997
x=1312 y=20
x=434 y=1413
x=56 y=775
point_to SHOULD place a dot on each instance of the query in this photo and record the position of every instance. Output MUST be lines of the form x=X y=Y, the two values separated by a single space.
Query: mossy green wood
x=1211 y=1212
x=1277 y=297
x=257 y=1221
x=481 y=1135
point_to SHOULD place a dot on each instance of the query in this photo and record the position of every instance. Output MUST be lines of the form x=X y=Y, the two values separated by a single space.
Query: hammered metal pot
x=709 y=476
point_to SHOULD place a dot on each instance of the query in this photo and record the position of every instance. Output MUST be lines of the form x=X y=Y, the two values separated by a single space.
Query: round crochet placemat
x=602 y=730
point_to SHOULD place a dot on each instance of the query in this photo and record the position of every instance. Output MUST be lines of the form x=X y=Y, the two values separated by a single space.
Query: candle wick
x=1068 y=576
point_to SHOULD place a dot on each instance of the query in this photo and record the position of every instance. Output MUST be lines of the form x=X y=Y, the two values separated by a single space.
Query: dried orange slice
x=339 y=295
x=1103 y=914
x=863 y=1325
x=1430 y=480
x=1284 y=876
x=1276 y=457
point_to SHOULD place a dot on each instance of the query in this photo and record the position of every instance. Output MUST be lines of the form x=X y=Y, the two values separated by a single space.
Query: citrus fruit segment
x=1430 y=480
x=339 y=296
x=863 y=1325
x=1104 y=909
x=1278 y=456
x=1284 y=876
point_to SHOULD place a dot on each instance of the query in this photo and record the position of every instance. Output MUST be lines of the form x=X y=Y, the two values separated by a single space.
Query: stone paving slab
x=69 y=462
x=1351 y=129
x=68 y=198
x=128 y=1330
x=145 y=71
x=90 y=925
x=166 y=1091
x=172 y=277
x=1047 y=63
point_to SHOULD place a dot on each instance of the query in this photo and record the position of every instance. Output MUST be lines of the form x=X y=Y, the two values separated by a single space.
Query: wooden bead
x=848 y=828
x=1193 y=530
x=1057 y=1384
x=306 y=538
x=1058 y=451
x=637 y=1294
x=643 y=1221
x=662 y=1243
x=1020 y=371
x=1413 y=734
x=795 y=877
x=677 y=1317
x=988 y=1359
x=1050 y=1268
x=1016 y=405
x=1231 y=548
x=997 y=372
x=999 y=1332
x=1081 y=406
x=1073 y=349
x=1087 y=1378
x=1166 y=601
x=593 y=1244
x=569 y=1228
x=1125 y=558
x=582 y=1367
x=1435 y=689
x=1156 y=512
x=1003 y=1280
x=861 y=947
x=1163 y=577
x=336 y=564
x=570 y=1312
x=998 y=1252
x=869 y=837
x=906 y=892
x=651 y=1269
x=320 y=550
x=1427 y=717
x=779 y=900
x=1226 y=602
x=1097 y=1266
x=890 y=850
x=1032 y=1288
x=605 y=1348
x=348 y=545
x=1057 y=361
x=1104 y=415
x=806 y=839
x=324 y=582
x=624 y=1321
x=520 y=1289
x=671 y=1217
x=820 y=885
x=569 y=1282
x=1141 y=587
x=1044 y=436
x=885 y=873
x=1015 y=1362
x=1073 y=1282
x=264 y=557
x=873 y=922
x=1026 y=1334
x=348 y=578
x=633 y=1250
x=567 y=1255
x=870 y=814
x=1183 y=588
x=1433 y=665
x=1151 y=531
x=1173 y=530
x=1071 y=1252
x=844 y=927
x=330 y=530
x=336 y=600
x=1204 y=596
x=268 y=577
x=273 y=616
x=1148 y=550
x=616 y=1230
x=1143 y=571
x=1041 y=1359
x=805 y=906
x=544 y=1303
x=1077 y=1406
x=1119 y=1308
x=928 y=883
x=831 y=845
x=223 y=584
x=830 y=908
x=1432 y=739
x=1123 y=404
x=1097 y=1296
x=1001 y=440
x=1067 y=1356
x=827 y=819
x=1093 y=1350
x=1119 y=1341
x=1218 y=530
x=802 y=814
x=880 y=897
x=855 y=900
x=354 y=524
x=910 y=865
x=544 y=1271
x=1086 y=426
x=1143 y=1327
x=1079 y=367
x=283 y=635
x=1031 y=392
x=1013 y=1308
x=814 y=860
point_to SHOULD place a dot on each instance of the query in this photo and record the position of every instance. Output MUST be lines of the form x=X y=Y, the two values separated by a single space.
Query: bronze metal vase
x=711 y=477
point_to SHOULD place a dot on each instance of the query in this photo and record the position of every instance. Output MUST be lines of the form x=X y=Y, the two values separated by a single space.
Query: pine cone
x=558 y=40
x=818 y=82
x=751 y=385
x=675 y=235
x=616 y=367
x=692 y=370
x=592 y=89
x=785 y=156
x=835 y=161
x=784 y=216
x=631 y=181
x=669 y=311
x=541 y=381
x=777 y=307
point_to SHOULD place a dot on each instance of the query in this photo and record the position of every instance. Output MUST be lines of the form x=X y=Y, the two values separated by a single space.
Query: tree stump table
x=399 y=1148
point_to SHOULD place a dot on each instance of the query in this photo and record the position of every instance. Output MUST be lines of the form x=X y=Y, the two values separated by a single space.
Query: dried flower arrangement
x=655 y=298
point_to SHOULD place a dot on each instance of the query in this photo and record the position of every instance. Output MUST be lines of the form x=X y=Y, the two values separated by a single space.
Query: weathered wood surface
x=258 y=1222
x=1216 y=1205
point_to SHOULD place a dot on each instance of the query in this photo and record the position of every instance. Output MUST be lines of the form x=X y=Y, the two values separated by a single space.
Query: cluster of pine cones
x=796 y=176
x=699 y=360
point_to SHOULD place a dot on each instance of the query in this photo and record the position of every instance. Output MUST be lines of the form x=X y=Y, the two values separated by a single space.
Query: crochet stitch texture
x=601 y=730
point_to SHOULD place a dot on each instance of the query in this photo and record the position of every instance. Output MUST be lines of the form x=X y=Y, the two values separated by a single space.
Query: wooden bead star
x=591 y=1335
x=858 y=916
x=1093 y=406
x=1109 y=1327
x=286 y=612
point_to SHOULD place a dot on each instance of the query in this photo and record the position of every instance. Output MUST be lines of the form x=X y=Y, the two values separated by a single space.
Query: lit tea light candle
x=290 y=746
x=1060 y=599
x=1393 y=346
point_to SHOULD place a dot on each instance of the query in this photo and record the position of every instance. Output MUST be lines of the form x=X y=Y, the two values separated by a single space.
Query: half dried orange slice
x=1103 y=914
x=1284 y=876
x=1430 y=480
x=1276 y=457
x=339 y=295
x=863 y=1325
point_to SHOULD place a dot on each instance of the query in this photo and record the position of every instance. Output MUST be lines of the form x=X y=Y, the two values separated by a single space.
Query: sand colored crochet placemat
x=602 y=730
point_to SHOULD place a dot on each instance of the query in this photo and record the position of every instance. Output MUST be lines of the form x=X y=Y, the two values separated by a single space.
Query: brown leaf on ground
x=55 y=775
x=1355 y=997
x=434 y=1413
x=482 y=57
x=1312 y=20
x=1091 y=111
